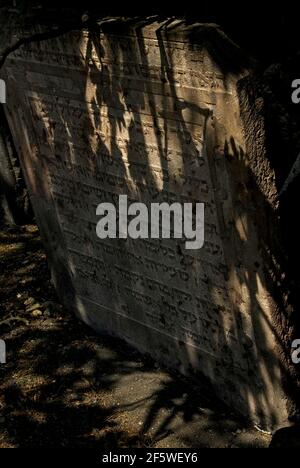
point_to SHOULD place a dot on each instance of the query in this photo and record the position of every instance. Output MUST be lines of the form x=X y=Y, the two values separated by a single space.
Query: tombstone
x=152 y=111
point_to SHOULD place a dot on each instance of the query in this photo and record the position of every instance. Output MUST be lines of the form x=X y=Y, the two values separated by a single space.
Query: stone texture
x=151 y=111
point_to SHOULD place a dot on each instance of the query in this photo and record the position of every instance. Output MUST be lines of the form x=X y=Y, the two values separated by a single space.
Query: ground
x=65 y=386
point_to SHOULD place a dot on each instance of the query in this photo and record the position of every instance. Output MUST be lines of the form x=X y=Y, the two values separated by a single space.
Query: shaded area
x=66 y=132
x=15 y=207
x=64 y=386
x=264 y=31
x=287 y=438
x=271 y=127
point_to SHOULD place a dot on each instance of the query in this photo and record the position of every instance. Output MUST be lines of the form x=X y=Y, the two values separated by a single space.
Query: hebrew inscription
x=154 y=117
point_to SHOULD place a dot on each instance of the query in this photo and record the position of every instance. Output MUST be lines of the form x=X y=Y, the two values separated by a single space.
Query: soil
x=65 y=386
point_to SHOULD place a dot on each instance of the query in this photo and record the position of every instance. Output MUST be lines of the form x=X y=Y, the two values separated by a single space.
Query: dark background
x=268 y=30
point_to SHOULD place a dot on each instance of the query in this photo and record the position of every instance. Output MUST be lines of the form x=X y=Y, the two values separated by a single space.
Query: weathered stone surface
x=151 y=111
x=14 y=201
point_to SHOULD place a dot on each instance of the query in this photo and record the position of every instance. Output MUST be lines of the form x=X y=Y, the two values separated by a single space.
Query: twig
x=13 y=319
